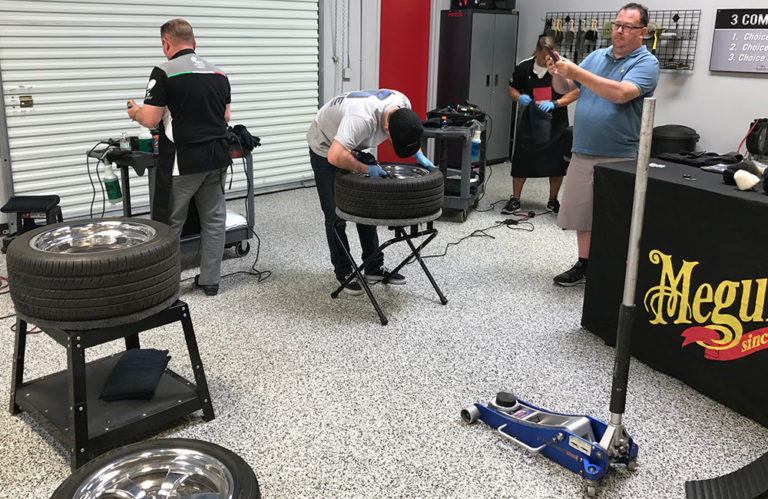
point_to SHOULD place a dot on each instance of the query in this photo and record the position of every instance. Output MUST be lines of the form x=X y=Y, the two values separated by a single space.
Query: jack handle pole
x=627 y=309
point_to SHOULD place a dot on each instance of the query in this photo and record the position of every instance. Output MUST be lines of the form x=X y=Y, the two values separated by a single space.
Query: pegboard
x=672 y=35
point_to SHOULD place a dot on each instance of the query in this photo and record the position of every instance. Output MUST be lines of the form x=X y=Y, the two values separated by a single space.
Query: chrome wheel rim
x=404 y=171
x=93 y=237
x=165 y=473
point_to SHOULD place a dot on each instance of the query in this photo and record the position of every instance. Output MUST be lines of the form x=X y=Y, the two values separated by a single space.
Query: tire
x=93 y=273
x=411 y=192
x=212 y=469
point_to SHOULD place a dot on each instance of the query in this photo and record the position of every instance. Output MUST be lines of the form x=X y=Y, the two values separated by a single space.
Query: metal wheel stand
x=401 y=234
x=67 y=403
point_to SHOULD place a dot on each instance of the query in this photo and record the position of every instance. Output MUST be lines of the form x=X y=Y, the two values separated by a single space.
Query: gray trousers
x=206 y=189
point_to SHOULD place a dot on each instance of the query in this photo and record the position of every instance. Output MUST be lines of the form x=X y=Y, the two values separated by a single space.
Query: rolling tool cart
x=461 y=159
x=582 y=444
x=463 y=185
x=238 y=227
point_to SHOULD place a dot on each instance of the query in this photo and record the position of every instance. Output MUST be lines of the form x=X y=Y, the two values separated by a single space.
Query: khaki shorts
x=576 y=204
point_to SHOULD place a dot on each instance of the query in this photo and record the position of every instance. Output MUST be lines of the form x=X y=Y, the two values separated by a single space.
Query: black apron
x=541 y=141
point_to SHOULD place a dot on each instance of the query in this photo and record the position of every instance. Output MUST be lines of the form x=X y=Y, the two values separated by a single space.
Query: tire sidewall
x=246 y=485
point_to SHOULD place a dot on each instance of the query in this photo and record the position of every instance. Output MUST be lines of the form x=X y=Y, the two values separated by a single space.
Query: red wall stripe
x=404 y=56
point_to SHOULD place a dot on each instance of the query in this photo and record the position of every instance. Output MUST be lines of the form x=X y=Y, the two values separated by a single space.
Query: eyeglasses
x=624 y=27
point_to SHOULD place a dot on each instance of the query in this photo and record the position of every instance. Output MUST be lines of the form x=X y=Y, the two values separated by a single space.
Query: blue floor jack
x=583 y=444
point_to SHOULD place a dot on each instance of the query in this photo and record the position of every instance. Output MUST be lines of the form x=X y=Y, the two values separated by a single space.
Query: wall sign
x=741 y=41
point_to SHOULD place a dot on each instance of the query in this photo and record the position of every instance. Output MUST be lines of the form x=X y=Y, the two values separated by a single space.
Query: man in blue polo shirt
x=613 y=82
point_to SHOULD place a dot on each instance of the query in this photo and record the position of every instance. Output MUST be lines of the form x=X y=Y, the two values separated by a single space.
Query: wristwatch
x=556 y=103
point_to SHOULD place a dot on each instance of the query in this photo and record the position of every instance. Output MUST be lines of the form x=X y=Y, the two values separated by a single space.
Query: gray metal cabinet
x=477 y=56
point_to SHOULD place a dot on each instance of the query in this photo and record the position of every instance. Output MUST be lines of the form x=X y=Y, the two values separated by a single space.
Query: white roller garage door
x=68 y=67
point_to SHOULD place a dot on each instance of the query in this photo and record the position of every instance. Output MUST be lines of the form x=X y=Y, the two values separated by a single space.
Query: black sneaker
x=512 y=206
x=553 y=205
x=383 y=273
x=208 y=289
x=353 y=288
x=571 y=277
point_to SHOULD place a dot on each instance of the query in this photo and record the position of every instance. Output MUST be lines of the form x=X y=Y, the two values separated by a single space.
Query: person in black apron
x=542 y=137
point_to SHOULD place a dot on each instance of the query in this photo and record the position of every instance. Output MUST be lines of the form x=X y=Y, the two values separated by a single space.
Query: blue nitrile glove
x=547 y=106
x=524 y=99
x=423 y=160
x=376 y=171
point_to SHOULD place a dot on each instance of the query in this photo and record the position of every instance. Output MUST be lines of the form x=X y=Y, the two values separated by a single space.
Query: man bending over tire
x=356 y=121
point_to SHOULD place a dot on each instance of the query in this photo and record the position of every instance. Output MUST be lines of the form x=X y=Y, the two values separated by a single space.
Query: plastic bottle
x=476 y=143
x=112 y=184
x=125 y=144
x=145 y=140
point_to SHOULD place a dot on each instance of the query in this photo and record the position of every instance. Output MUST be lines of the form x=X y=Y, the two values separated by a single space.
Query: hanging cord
x=747 y=135
x=90 y=178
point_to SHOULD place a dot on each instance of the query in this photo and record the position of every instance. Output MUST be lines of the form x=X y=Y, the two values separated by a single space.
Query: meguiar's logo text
x=717 y=312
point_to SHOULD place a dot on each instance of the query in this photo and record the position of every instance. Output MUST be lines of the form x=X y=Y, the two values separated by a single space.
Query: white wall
x=719 y=106
x=355 y=25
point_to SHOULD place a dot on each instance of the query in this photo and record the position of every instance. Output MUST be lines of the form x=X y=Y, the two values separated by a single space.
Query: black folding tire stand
x=401 y=234
x=67 y=403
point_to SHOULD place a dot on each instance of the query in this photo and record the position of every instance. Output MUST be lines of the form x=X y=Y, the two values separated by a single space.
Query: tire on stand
x=94 y=273
x=410 y=191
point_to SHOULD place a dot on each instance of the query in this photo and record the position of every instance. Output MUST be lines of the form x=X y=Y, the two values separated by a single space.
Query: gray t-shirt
x=354 y=119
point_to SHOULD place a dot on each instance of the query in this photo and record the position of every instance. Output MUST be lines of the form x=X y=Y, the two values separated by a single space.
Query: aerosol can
x=111 y=183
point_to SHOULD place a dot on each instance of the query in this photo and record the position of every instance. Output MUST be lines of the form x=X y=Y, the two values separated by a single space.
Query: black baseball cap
x=406 y=130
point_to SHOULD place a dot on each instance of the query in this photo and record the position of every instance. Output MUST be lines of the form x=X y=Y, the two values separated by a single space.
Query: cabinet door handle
x=496 y=81
x=487 y=80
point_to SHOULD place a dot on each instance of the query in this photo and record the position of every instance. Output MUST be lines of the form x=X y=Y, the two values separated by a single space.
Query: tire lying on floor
x=93 y=273
x=410 y=191
x=173 y=467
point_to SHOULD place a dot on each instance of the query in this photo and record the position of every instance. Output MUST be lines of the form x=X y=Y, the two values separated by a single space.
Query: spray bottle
x=111 y=183
x=476 y=144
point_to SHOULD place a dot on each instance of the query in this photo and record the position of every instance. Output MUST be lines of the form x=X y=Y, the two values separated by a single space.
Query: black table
x=703 y=263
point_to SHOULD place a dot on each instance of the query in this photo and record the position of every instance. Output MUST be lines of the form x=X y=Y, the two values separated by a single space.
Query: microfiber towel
x=135 y=375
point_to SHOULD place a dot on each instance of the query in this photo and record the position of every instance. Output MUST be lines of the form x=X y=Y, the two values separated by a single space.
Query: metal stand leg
x=197 y=365
x=132 y=341
x=78 y=403
x=358 y=273
x=416 y=252
x=17 y=378
x=400 y=235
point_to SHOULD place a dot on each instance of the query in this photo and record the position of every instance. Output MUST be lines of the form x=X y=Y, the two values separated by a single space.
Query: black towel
x=135 y=375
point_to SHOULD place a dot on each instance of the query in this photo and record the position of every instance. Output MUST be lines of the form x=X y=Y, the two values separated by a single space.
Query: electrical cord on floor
x=492 y=206
x=34 y=330
x=4 y=285
x=510 y=223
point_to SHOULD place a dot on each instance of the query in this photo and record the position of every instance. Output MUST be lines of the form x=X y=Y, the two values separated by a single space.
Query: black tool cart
x=464 y=175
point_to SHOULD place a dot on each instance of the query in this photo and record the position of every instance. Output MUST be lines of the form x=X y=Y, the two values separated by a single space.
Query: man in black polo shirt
x=190 y=99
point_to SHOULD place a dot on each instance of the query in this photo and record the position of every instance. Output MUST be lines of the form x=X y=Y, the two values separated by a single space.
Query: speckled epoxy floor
x=322 y=401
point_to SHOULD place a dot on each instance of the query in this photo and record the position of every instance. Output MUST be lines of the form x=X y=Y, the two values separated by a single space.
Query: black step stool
x=29 y=208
